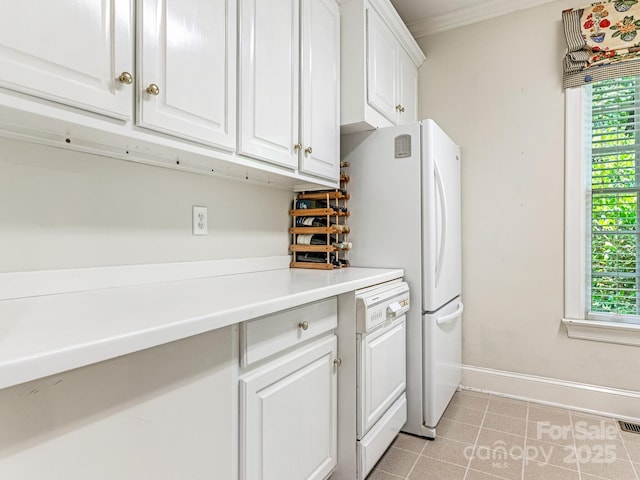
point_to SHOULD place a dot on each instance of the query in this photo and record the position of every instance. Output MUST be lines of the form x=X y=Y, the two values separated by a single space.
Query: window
x=602 y=241
x=613 y=113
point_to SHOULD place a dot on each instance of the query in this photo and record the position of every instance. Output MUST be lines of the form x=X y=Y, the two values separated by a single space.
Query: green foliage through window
x=615 y=108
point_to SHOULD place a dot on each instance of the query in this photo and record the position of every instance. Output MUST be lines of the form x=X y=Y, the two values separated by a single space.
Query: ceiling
x=424 y=17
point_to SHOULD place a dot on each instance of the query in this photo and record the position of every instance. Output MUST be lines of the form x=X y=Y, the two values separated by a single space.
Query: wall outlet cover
x=200 y=221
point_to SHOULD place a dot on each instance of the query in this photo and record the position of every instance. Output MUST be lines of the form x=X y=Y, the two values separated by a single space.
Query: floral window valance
x=603 y=41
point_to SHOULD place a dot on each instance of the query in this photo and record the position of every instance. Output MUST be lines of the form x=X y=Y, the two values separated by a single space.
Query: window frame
x=575 y=238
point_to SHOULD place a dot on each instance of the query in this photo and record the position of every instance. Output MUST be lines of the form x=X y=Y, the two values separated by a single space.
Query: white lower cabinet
x=288 y=408
x=382 y=372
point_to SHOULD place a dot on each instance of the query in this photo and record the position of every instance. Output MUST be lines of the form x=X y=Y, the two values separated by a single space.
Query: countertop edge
x=31 y=366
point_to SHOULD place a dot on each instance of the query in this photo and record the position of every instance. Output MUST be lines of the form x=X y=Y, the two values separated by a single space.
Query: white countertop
x=49 y=334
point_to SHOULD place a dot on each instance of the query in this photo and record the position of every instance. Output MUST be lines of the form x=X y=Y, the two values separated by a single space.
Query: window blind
x=614 y=246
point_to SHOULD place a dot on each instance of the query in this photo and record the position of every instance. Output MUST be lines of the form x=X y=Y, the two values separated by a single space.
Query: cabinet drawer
x=371 y=448
x=265 y=336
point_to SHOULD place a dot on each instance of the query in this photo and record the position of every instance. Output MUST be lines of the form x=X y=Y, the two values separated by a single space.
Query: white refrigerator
x=405 y=213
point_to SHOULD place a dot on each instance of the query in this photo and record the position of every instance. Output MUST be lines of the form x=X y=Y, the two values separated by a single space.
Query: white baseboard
x=612 y=402
x=51 y=282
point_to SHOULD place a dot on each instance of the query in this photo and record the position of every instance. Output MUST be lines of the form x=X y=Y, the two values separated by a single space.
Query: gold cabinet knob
x=153 y=89
x=337 y=362
x=304 y=325
x=401 y=109
x=297 y=147
x=398 y=107
x=125 y=78
x=308 y=150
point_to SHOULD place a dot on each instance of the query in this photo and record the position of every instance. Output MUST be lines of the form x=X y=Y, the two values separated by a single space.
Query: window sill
x=610 y=332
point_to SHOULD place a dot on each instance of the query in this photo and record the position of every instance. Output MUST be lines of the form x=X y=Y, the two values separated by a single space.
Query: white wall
x=65 y=209
x=166 y=412
x=496 y=88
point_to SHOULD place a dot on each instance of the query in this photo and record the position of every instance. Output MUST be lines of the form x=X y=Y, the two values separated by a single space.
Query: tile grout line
x=388 y=473
x=573 y=417
x=405 y=450
x=417 y=458
x=575 y=447
x=572 y=422
x=526 y=431
x=415 y=462
x=504 y=431
x=624 y=444
x=463 y=423
x=445 y=438
x=475 y=442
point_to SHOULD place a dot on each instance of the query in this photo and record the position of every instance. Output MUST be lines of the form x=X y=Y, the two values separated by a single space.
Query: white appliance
x=405 y=213
x=381 y=340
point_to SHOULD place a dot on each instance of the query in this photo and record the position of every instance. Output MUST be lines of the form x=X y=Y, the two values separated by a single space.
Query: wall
x=168 y=412
x=495 y=87
x=66 y=209
x=165 y=412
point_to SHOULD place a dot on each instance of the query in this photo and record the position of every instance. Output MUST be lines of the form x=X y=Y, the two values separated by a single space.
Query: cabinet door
x=187 y=49
x=381 y=372
x=382 y=67
x=288 y=423
x=269 y=59
x=69 y=51
x=320 y=88
x=408 y=95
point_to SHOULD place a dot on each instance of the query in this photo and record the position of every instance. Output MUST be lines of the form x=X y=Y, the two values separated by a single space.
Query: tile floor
x=485 y=437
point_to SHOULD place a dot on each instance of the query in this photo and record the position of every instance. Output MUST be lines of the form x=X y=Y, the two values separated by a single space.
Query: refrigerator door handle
x=451 y=316
x=443 y=232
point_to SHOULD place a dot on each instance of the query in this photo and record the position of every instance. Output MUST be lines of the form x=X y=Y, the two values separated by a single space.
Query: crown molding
x=467 y=16
x=385 y=9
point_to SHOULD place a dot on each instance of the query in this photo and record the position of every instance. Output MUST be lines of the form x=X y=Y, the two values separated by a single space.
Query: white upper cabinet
x=320 y=88
x=269 y=56
x=246 y=89
x=379 y=67
x=407 y=89
x=187 y=69
x=392 y=76
x=289 y=84
x=382 y=67
x=69 y=52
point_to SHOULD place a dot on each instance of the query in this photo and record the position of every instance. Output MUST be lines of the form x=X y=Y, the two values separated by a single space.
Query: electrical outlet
x=200 y=221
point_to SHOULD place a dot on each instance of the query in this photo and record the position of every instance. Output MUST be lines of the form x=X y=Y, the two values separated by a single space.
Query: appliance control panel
x=378 y=305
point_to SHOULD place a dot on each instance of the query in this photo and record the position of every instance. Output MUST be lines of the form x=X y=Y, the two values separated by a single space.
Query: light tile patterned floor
x=485 y=437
